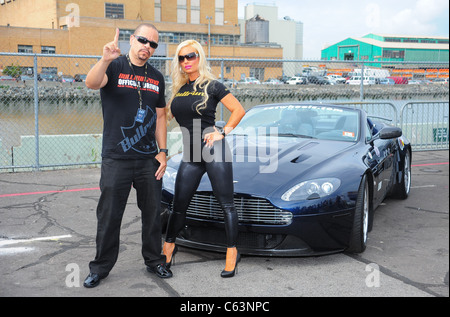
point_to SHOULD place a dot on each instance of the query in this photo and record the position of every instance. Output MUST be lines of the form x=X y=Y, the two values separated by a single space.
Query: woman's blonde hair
x=180 y=78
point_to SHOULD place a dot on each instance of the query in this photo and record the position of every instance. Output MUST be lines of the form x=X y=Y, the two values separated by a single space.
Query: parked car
x=273 y=81
x=230 y=82
x=47 y=77
x=441 y=81
x=249 y=80
x=400 y=80
x=323 y=171
x=66 y=79
x=25 y=78
x=7 y=78
x=80 y=77
x=335 y=79
x=387 y=81
x=297 y=81
x=284 y=79
x=318 y=80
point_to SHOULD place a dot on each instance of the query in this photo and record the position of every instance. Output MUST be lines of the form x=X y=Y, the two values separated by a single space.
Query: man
x=132 y=94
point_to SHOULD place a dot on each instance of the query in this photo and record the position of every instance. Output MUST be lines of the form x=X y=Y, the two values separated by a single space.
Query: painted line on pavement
x=12 y=241
x=49 y=192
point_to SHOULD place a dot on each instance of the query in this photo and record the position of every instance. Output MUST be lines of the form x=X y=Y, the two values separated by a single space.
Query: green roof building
x=392 y=48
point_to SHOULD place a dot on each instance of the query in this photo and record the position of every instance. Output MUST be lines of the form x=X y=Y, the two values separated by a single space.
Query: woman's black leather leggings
x=217 y=164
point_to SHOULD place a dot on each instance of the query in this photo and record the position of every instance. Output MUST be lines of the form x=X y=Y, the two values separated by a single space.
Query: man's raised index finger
x=116 y=38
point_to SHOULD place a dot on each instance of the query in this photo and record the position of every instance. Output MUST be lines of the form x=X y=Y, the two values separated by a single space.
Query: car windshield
x=306 y=121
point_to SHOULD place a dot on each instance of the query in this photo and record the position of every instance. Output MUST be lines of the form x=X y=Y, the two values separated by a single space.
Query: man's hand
x=96 y=77
x=162 y=159
x=111 y=50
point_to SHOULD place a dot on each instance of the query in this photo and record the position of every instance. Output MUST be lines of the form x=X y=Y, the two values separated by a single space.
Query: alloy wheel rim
x=407 y=176
x=365 y=214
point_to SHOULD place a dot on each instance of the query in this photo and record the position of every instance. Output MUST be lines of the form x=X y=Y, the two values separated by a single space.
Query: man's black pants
x=117 y=177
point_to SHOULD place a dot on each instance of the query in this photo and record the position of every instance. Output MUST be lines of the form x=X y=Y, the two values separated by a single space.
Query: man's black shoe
x=160 y=270
x=92 y=280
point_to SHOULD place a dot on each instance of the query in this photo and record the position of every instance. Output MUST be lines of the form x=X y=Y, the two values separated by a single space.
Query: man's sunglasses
x=190 y=57
x=144 y=41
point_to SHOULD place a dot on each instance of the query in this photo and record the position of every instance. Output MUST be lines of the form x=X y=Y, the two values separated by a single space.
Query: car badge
x=401 y=143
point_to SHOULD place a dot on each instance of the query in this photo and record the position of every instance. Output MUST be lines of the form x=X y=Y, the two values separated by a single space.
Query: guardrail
x=426 y=124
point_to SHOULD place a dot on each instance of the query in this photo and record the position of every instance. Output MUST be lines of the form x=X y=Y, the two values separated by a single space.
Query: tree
x=13 y=70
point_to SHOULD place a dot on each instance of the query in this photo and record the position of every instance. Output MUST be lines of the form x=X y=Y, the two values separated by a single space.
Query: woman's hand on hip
x=212 y=137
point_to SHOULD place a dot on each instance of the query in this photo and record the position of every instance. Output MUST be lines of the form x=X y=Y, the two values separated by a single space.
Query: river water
x=85 y=117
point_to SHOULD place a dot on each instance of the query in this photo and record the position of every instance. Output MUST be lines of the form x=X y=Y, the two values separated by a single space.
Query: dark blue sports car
x=307 y=180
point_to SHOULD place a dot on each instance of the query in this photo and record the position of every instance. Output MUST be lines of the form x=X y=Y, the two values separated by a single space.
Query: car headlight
x=312 y=189
x=169 y=179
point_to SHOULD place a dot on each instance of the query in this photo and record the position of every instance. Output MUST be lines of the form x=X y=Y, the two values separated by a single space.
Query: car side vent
x=301 y=158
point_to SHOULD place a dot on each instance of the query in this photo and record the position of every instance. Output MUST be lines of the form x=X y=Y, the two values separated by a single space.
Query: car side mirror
x=390 y=133
x=387 y=133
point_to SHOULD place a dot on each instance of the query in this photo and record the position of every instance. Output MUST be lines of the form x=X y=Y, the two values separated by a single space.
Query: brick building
x=82 y=27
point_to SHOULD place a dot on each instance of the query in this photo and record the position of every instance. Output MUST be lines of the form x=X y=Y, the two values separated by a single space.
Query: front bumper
x=304 y=236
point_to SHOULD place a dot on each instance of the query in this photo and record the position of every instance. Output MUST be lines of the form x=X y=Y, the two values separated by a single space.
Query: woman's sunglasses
x=144 y=41
x=190 y=57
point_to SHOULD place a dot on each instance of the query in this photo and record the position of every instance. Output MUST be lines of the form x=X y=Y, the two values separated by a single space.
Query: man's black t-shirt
x=183 y=108
x=123 y=136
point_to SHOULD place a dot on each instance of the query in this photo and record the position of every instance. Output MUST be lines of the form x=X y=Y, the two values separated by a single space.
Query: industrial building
x=261 y=25
x=383 y=48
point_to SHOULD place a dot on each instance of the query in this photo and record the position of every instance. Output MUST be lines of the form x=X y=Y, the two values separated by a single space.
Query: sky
x=326 y=22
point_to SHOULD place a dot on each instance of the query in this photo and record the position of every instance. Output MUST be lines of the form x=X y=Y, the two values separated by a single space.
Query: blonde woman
x=193 y=103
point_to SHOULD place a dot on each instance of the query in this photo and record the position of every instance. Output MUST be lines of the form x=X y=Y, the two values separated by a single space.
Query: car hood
x=276 y=162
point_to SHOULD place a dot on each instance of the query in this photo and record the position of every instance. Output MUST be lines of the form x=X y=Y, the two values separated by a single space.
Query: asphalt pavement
x=47 y=238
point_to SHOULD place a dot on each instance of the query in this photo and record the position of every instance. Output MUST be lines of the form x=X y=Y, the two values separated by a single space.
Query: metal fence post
x=36 y=110
x=361 y=91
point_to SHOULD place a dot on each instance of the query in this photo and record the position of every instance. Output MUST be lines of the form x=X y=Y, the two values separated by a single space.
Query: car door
x=380 y=158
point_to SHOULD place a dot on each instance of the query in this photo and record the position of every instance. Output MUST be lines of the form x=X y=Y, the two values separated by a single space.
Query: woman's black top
x=192 y=123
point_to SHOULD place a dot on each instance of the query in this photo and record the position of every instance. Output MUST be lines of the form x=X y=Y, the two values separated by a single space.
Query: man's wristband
x=164 y=151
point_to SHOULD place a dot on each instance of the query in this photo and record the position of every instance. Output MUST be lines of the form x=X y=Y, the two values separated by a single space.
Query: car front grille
x=250 y=210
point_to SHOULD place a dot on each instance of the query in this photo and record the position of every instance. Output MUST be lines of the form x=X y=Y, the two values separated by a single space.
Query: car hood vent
x=301 y=158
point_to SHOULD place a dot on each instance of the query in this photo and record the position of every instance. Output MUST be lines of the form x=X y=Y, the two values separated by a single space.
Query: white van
x=296 y=81
x=356 y=80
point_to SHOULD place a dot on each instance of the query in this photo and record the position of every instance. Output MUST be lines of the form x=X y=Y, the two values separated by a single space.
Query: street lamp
x=209 y=18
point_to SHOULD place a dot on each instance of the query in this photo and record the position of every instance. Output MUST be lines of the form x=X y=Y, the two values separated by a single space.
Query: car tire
x=360 y=230
x=402 y=189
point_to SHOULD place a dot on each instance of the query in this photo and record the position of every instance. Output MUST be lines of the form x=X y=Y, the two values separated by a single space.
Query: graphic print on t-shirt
x=134 y=134
x=128 y=81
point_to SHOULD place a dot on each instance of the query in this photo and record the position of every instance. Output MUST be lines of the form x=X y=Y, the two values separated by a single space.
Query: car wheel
x=402 y=189
x=358 y=239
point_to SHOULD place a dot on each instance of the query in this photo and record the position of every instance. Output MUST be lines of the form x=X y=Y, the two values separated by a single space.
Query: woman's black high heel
x=226 y=274
x=172 y=259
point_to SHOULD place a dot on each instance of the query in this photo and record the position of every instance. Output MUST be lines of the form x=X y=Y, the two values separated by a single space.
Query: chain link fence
x=49 y=119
